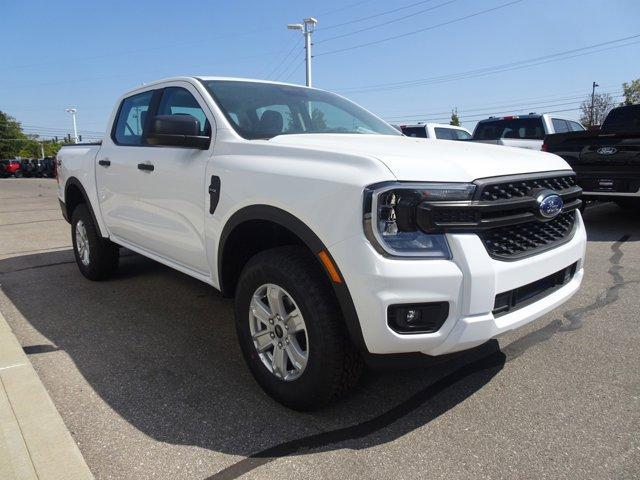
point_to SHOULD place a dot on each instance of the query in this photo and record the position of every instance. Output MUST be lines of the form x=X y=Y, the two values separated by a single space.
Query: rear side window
x=516 y=128
x=131 y=119
x=560 y=126
x=420 y=132
x=451 y=134
x=575 y=126
x=179 y=101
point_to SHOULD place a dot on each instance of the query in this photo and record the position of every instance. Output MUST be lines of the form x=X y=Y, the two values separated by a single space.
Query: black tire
x=333 y=366
x=17 y=174
x=103 y=255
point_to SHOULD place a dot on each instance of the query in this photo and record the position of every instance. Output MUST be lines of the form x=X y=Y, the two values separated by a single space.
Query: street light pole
x=73 y=111
x=307 y=28
x=593 y=99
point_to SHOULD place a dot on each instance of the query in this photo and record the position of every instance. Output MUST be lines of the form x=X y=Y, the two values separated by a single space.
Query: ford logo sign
x=607 y=150
x=550 y=204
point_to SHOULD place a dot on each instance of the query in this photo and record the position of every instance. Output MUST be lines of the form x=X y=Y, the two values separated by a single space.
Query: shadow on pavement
x=160 y=348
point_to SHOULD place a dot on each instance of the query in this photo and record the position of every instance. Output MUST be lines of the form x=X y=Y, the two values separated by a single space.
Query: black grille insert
x=520 y=188
x=512 y=300
x=515 y=241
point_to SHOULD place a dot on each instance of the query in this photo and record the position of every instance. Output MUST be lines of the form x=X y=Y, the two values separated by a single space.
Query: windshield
x=517 y=128
x=264 y=110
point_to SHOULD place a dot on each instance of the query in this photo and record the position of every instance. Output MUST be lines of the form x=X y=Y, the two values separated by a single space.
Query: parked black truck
x=607 y=160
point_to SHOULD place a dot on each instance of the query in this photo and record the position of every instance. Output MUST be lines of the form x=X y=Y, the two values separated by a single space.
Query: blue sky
x=85 y=54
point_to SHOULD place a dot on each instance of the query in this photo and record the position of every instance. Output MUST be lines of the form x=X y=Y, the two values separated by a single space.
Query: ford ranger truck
x=343 y=241
x=606 y=161
x=524 y=131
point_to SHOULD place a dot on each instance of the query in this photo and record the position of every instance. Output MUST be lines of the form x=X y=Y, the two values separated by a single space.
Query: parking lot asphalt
x=147 y=375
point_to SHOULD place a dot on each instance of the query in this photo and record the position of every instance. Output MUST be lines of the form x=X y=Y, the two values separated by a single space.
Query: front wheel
x=97 y=257
x=291 y=330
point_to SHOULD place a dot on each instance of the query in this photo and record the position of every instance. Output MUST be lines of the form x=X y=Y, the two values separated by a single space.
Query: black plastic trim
x=75 y=182
x=311 y=240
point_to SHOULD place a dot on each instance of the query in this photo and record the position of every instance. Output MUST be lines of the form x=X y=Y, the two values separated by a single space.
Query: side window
x=445 y=133
x=178 y=101
x=462 y=135
x=575 y=126
x=560 y=126
x=131 y=119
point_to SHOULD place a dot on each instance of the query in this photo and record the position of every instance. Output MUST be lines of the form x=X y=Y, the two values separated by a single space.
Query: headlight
x=390 y=217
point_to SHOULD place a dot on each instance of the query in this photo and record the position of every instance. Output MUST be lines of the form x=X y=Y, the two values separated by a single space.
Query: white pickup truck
x=523 y=131
x=436 y=130
x=342 y=240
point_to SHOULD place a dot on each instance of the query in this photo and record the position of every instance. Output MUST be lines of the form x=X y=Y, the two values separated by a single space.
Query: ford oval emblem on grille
x=607 y=150
x=550 y=204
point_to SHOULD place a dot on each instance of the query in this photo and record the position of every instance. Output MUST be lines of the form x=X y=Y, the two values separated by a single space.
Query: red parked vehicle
x=9 y=168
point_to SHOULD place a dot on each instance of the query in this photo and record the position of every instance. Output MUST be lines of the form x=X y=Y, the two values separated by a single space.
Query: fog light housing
x=417 y=318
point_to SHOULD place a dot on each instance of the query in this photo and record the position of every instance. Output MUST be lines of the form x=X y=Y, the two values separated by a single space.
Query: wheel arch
x=271 y=227
x=74 y=195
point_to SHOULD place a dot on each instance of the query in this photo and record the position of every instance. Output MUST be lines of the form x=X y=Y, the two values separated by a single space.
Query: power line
x=376 y=15
x=284 y=59
x=383 y=24
x=431 y=27
x=295 y=69
x=496 y=68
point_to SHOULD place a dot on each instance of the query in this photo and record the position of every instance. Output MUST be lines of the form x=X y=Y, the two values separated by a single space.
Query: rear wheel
x=97 y=257
x=291 y=330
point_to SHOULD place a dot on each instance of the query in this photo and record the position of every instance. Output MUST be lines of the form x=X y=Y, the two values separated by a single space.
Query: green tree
x=317 y=120
x=602 y=105
x=15 y=143
x=631 y=92
x=12 y=140
x=455 y=120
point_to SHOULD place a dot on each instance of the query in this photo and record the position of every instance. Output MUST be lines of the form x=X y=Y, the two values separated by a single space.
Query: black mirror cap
x=177 y=131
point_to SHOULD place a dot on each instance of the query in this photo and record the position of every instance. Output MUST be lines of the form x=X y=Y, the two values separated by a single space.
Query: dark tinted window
x=517 y=128
x=248 y=108
x=451 y=134
x=575 y=126
x=623 y=119
x=560 y=126
x=178 y=101
x=131 y=119
x=420 y=132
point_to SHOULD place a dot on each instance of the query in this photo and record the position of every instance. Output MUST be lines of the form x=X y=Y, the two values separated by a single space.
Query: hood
x=423 y=159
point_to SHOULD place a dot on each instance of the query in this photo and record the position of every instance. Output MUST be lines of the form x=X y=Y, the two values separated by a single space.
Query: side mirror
x=177 y=131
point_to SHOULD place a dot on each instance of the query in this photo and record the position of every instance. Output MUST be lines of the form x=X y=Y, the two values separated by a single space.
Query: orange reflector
x=331 y=268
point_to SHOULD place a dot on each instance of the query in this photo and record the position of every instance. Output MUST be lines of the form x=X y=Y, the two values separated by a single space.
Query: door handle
x=147 y=167
x=105 y=162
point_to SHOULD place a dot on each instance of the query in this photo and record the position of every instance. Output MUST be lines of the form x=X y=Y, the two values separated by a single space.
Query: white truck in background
x=439 y=131
x=523 y=131
x=342 y=240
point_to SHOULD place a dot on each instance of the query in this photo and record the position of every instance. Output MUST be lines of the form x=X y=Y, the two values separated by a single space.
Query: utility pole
x=593 y=100
x=73 y=111
x=307 y=27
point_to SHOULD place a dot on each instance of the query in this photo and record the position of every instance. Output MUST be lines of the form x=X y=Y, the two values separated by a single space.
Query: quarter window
x=560 y=126
x=131 y=119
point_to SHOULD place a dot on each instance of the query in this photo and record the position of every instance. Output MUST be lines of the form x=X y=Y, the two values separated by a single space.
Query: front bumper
x=469 y=282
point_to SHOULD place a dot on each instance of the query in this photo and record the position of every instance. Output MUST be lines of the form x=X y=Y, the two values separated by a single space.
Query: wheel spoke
x=274 y=296
x=294 y=322
x=296 y=355
x=279 y=362
x=259 y=310
x=262 y=340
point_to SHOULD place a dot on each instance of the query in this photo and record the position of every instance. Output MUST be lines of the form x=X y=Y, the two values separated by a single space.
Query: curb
x=34 y=441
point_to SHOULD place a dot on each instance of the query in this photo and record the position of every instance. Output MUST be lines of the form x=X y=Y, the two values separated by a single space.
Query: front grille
x=515 y=241
x=518 y=188
x=507 y=302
